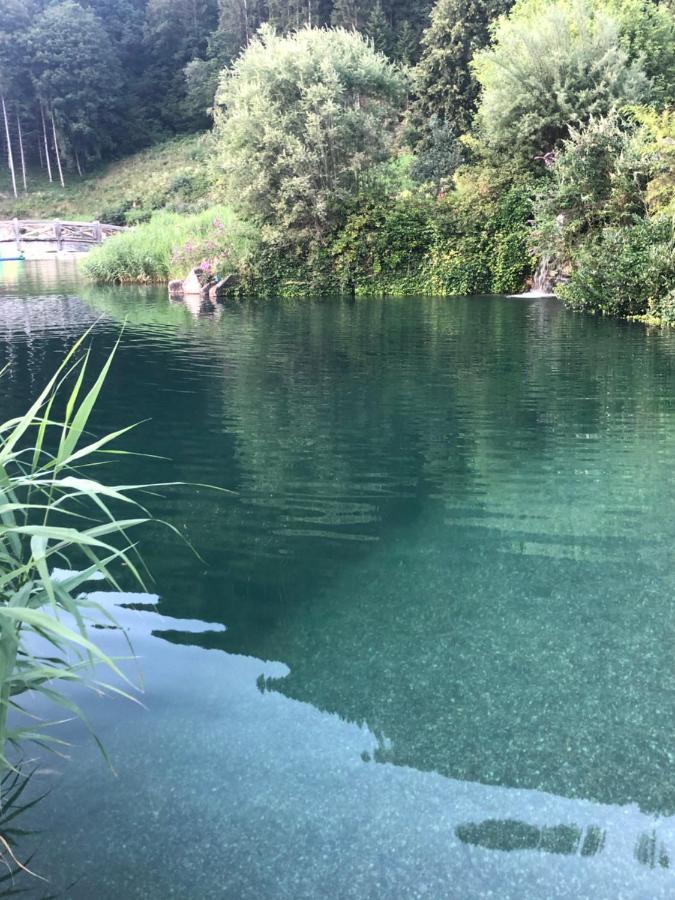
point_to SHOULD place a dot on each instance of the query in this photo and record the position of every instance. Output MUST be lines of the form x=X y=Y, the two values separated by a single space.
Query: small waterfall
x=542 y=282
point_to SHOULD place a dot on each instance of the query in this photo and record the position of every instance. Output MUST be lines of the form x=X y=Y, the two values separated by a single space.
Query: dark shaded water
x=430 y=650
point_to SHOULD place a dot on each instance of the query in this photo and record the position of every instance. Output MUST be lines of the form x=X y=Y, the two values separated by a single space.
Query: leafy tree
x=551 y=66
x=655 y=139
x=444 y=82
x=175 y=32
x=77 y=75
x=16 y=21
x=300 y=121
x=647 y=32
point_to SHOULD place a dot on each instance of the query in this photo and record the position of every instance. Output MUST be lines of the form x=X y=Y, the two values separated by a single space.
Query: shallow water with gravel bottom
x=428 y=649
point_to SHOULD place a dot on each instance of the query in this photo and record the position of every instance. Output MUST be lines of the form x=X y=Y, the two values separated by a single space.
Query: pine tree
x=379 y=30
x=405 y=48
x=444 y=82
x=290 y=15
x=347 y=14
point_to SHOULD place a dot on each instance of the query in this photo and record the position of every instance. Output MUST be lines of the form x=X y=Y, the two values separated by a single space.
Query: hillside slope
x=173 y=175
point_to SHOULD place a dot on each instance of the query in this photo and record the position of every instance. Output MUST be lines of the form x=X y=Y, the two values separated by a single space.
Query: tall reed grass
x=55 y=513
x=169 y=245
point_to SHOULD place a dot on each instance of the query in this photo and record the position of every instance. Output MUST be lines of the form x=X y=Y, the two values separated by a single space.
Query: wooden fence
x=21 y=231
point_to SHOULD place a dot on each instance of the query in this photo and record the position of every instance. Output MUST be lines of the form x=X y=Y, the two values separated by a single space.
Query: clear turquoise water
x=429 y=651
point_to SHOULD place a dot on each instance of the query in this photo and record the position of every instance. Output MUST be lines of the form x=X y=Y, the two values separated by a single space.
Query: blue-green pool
x=428 y=649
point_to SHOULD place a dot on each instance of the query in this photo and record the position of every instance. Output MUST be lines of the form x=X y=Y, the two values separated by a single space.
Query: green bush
x=410 y=244
x=482 y=243
x=627 y=271
x=300 y=121
x=383 y=247
x=597 y=179
x=551 y=65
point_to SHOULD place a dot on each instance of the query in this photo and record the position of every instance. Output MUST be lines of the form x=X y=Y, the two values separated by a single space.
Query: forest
x=367 y=147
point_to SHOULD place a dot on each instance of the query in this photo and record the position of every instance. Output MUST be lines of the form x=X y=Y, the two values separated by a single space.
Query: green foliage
x=627 y=271
x=379 y=30
x=382 y=248
x=410 y=244
x=55 y=514
x=439 y=157
x=445 y=85
x=598 y=178
x=277 y=270
x=655 y=139
x=482 y=244
x=78 y=76
x=175 y=174
x=300 y=122
x=551 y=66
x=169 y=245
x=647 y=30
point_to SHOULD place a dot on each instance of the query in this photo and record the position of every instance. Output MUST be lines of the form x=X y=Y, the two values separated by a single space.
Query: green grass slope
x=173 y=175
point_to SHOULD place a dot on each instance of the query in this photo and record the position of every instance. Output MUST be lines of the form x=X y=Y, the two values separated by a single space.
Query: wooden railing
x=20 y=231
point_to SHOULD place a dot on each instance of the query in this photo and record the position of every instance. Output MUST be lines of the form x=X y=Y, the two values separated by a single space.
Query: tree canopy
x=300 y=121
x=551 y=66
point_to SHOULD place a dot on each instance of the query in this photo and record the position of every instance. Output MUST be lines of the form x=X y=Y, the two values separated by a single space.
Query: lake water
x=428 y=649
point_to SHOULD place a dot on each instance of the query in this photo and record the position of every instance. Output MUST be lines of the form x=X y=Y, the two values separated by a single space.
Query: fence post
x=57 y=234
x=17 y=233
x=98 y=232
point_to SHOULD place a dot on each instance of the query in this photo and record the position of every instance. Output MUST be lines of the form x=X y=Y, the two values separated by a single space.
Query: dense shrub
x=410 y=244
x=551 y=66
x=383 y=247
x=300 y=121
x=655 y=139
x=626 y=271
x=482 y=243
x=598 y=179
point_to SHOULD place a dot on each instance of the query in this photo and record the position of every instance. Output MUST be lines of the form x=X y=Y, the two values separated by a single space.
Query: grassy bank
x=410 y=244
x=169 y=245
x=172 y=175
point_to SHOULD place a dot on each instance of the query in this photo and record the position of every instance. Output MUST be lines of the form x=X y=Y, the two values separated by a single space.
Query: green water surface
x=428 y=651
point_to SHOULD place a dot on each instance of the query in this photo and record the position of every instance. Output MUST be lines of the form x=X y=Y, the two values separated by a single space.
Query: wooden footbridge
x=37 y=237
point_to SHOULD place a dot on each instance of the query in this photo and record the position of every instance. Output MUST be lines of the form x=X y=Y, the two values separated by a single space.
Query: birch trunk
x=10 y=157
x=23 y=157
x=56 y=150
x=44 y=133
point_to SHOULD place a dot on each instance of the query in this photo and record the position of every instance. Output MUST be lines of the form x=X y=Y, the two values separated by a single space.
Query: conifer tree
x=378 y=29
x=347 y=14
x=444 y=82
x=405 y=48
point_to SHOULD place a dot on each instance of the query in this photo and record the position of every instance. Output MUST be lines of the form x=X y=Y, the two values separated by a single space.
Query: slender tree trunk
x=246 y=21
x=10 y=157
x=23 y=158
x=77 y=163
x=56 y=150
x=44 y=134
